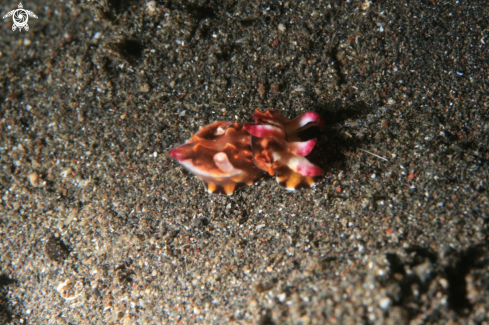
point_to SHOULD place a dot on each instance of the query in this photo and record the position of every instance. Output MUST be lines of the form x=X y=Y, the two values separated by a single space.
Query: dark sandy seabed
x=100 y=226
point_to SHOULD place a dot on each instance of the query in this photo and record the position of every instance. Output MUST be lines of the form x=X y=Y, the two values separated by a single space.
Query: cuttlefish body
x=226 y=155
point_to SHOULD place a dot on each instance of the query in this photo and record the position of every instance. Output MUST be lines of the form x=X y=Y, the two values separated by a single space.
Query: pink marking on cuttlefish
x=302 y=148
x=309 y=170
x=264 y=131
x=176 y=153
x=300 y=121
x=302 y=166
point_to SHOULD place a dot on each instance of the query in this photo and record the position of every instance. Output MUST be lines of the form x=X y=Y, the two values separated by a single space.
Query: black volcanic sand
x=100 y=226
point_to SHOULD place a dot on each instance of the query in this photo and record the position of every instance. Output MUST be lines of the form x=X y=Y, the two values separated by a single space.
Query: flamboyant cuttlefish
x=225 y=155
